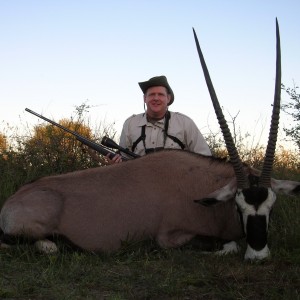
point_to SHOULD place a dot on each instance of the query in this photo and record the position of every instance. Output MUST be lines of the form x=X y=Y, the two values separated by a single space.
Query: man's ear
x=169 y=98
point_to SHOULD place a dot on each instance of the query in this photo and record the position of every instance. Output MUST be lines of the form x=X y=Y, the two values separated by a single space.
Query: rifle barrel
x=52 y=122
x=99 y=148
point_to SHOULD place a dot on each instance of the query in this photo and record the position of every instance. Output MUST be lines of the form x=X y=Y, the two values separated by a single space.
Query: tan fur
x=150 y=197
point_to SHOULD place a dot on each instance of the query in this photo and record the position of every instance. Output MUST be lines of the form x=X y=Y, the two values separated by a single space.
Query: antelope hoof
x=46 y=246
x=253 y=255
x=4 y=246
x=228 y=248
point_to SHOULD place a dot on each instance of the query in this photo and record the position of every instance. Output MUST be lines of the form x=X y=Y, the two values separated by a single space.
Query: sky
x=56 y=55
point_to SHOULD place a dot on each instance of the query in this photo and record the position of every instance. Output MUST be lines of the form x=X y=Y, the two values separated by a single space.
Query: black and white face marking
x=255 y=205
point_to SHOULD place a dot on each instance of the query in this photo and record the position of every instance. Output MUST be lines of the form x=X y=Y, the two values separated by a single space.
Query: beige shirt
x=180 y=126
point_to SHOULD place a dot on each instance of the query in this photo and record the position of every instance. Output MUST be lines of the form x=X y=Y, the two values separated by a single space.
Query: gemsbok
x=170 y=196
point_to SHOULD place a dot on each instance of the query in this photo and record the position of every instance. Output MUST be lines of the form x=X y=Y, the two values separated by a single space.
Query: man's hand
x=116 y=159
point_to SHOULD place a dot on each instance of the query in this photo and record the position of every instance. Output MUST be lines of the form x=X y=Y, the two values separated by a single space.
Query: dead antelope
x=154 y=197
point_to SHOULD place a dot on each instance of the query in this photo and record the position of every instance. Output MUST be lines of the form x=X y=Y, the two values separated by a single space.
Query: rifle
x=106 y=141
x=97 y=147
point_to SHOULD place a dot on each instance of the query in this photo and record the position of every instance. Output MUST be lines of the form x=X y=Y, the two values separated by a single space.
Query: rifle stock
x=106 y=141
x=97 y=147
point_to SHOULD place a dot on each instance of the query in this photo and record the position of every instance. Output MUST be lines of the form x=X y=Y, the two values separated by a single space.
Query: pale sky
x=56 y=55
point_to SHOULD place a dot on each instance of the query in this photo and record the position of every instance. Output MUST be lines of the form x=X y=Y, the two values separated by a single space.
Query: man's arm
x=195 y=140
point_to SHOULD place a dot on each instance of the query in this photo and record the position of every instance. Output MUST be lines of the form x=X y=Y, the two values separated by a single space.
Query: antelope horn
x=241 y=177
x=265 y=178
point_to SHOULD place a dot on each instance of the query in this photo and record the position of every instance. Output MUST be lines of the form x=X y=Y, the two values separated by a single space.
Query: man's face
x=157 y=99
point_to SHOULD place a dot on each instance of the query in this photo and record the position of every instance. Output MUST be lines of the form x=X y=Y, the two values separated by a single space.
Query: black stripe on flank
x=207 y=201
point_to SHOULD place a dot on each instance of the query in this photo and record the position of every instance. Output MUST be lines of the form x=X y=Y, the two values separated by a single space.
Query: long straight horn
x=242 y=181
x=265 y=178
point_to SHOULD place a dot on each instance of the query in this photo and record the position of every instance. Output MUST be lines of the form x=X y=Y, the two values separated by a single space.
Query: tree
x=292 y=108
x=50 y=149
x=3 y=143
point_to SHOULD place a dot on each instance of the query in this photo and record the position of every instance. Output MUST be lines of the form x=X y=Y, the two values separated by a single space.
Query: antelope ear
x=287 y=187
x=221 y=195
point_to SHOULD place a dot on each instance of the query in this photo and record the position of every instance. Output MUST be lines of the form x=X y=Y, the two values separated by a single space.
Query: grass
x=179 y=274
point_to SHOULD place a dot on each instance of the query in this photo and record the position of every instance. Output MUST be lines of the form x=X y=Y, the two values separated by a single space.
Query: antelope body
x=154 y=196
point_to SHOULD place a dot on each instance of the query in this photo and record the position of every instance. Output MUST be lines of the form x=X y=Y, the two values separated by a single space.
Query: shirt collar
x=144 y=121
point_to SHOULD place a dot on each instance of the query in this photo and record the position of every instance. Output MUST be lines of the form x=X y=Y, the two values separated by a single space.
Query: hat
x=157 y=81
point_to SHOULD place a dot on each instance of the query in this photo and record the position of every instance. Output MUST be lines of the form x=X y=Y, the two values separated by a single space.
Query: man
x=158 y=128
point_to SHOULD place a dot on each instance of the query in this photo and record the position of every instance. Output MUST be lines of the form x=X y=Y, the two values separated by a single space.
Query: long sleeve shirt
x=180 y=126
